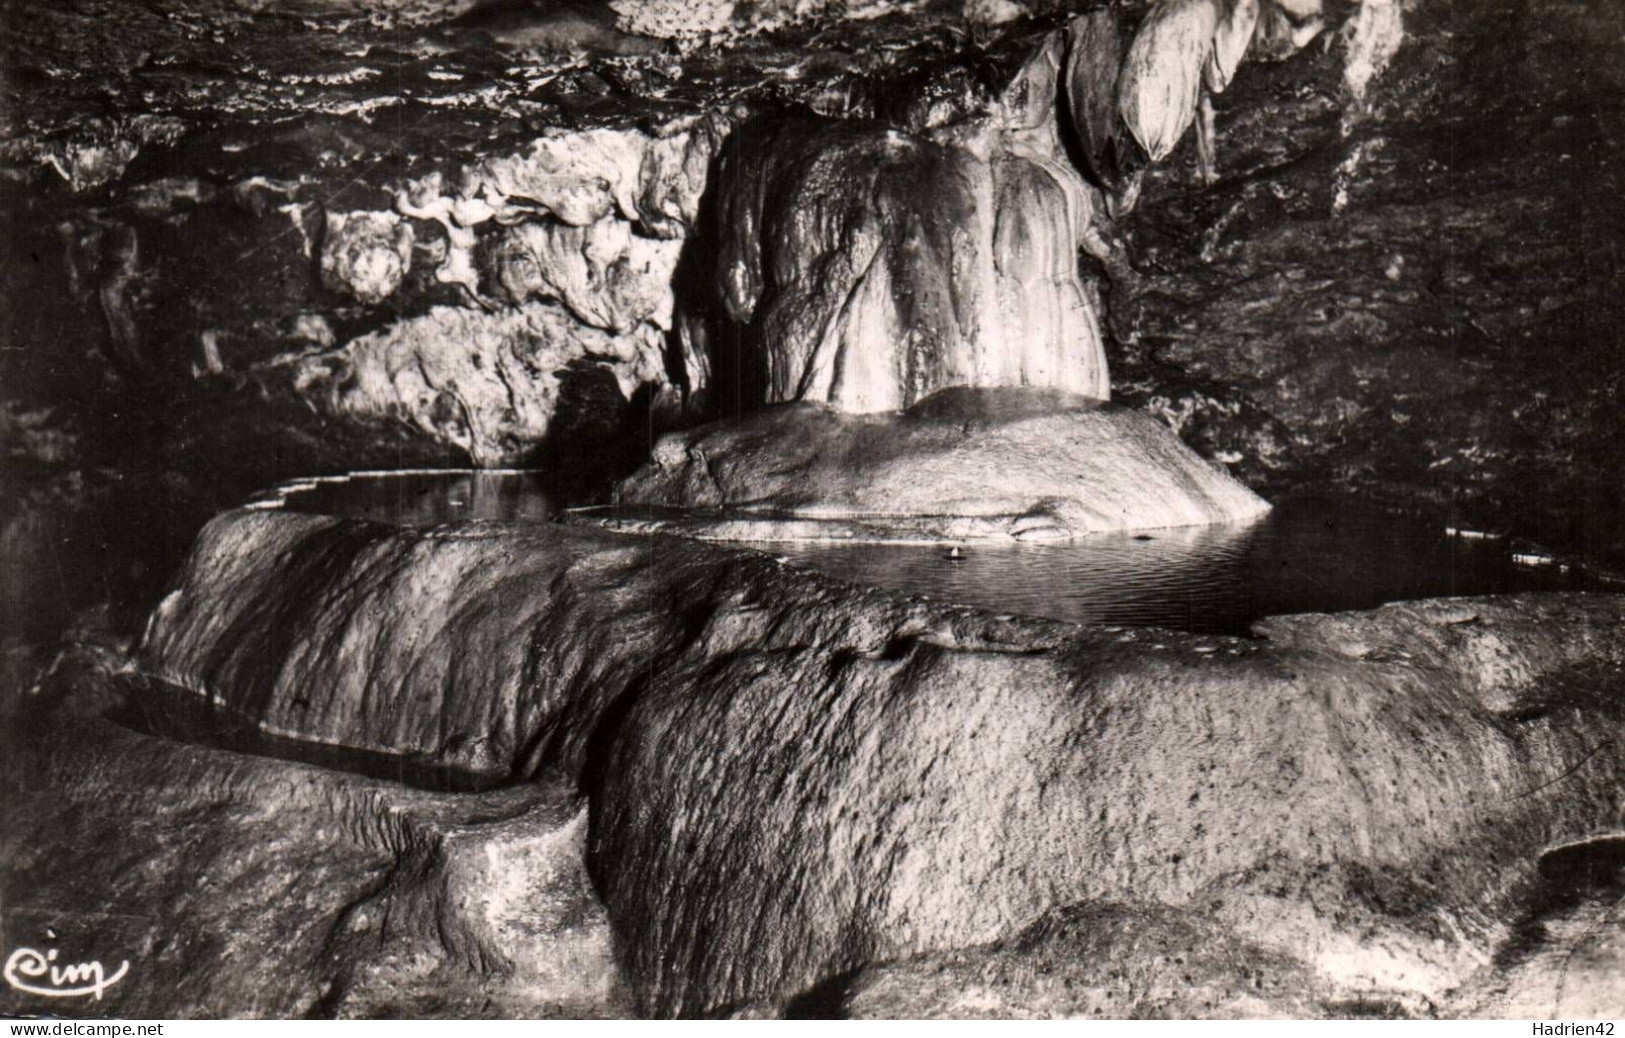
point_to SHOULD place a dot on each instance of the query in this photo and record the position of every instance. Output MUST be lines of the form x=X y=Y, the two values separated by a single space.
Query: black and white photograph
x=999 y=510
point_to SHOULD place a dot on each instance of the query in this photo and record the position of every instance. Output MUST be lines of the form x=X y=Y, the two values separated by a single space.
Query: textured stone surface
x=791 y=778
x=1362 y=303
x=213 y=211
x=245 y=886
x=1419 y=307
x=962 y=464
x=1094 y=62
x=1562 y=959
x=1368 y=817
x=293 y=179
x=868 y=267
x=1110 y=961
x=607 y=276
x=1382 y=296
x=1162 y=73
x=499 y=394
x=365 y=254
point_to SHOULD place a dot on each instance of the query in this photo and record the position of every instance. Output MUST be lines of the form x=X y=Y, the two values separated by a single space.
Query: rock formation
x=866 y=266
x=1162 y=74
x=366 y=254
x=500 y=394
x=671 y=778
x=963 y=464
x=1094 y=63
x=250 y=886
x=791 y=778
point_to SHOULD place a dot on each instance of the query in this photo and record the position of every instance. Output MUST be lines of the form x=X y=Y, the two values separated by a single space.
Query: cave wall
x=247 y=244
x=243 y=244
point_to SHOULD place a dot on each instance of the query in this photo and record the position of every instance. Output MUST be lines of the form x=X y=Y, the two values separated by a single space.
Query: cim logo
x=38 y=973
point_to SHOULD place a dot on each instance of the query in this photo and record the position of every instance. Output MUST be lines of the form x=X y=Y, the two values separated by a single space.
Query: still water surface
x=1306 y=556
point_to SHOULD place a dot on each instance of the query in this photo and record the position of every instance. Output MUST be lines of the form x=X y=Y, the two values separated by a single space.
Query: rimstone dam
x=812 y=508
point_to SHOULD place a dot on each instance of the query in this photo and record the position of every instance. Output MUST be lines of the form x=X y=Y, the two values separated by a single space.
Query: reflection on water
x=425 y=498
x=1306 y=556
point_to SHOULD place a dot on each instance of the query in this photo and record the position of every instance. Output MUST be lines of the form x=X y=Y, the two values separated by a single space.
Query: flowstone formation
x=799 y=785
x=962 y=465
x=873 y=268
x=307 y=255
x=868 y=266
x=537 y=769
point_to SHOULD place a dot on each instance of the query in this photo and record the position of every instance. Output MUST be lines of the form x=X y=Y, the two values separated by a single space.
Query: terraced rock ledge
x=963 y=464
x=558 y=771
x=793 y=783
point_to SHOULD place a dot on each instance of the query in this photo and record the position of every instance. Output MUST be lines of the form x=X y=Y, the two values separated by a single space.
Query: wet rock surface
x=247 y=244
x=208 y=207
x=1364 y=797
x=244 y=243
x=1421 y=308
x=962 y=464
x=1109 y=961
x=519 y=378
x=865 y=266
x=244 y=886
x=268 y=183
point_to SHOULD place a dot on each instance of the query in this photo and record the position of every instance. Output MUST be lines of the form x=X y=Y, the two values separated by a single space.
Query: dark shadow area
x=153 y=708
x=719 y=351
x=1566 y=878
x=825 y=1000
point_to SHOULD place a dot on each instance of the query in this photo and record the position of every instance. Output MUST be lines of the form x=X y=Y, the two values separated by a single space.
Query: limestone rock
x=242 y=885
x=1047 y=318
x=866 y=268
x=1374 y=35
x=609 y=276
x=673 y=19
x=964 y=463
x=583 y=176
x=366 y=254
x=1237 y=22
x=1284 y=28
x=466 y=687
x=549 y=31
x=933 y=795
x=1338 y=339
x=490 y=384
x=691 y=21
x=859 y=243
x=1162 y=73
x=792 y=778
x=1109 y=961
x=1094 y=61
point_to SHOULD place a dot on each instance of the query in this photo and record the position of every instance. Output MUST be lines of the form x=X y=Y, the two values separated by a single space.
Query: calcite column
x=867 y=267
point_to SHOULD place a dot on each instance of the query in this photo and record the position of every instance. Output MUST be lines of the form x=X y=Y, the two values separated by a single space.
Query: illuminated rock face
x=964 y=464
x=791 y=777
x=505 y=388
x=868 y=267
